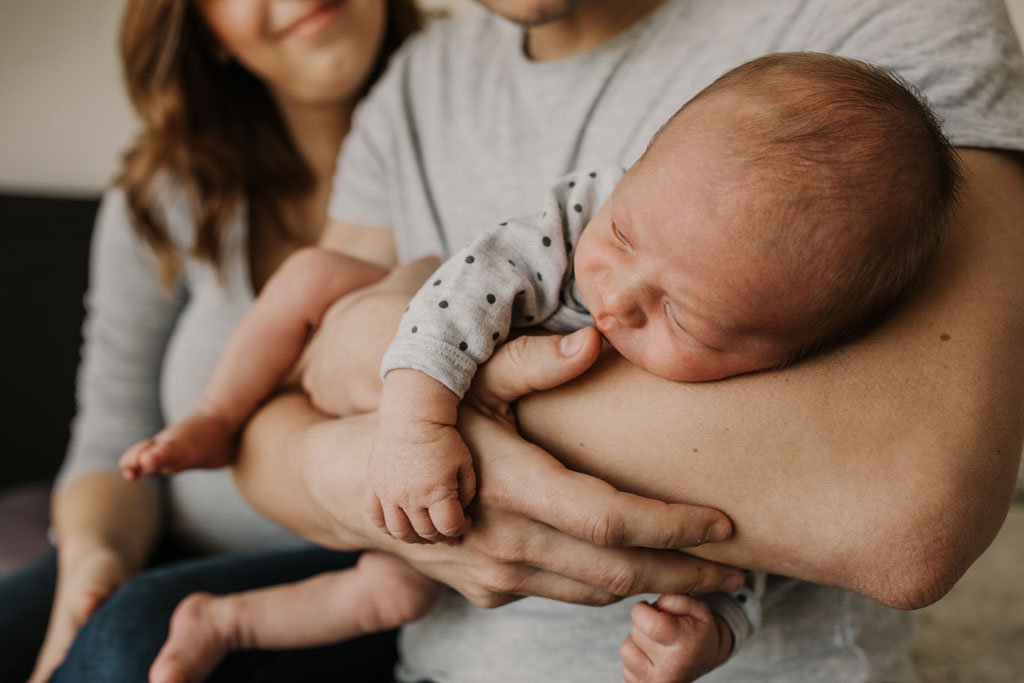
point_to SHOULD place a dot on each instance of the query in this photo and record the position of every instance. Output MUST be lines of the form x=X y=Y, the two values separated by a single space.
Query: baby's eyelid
x=619 y=236
x=672 y=318
x=675 y=323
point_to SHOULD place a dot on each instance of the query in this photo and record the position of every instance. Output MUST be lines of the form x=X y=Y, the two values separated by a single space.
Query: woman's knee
x=120 y=641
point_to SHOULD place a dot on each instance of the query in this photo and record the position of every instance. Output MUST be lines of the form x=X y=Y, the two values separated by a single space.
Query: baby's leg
x=676 y=639
x=257 y=356
x=380 y=593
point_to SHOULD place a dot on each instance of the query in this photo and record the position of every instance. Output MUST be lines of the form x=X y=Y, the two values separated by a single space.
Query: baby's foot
x=200 y=440
x=200 y=637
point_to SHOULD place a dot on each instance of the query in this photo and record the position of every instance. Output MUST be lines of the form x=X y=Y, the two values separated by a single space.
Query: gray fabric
x=147 y=356
x=520 y=274
x=464 y=131
x=517 y=274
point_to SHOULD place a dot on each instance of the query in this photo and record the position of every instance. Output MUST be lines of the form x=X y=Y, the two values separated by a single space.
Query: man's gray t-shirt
x=464 y=130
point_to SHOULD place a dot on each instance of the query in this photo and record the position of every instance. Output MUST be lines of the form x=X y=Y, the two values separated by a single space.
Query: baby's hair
x=864 y=164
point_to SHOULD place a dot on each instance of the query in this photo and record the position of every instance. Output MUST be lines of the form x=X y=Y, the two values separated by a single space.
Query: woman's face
x=310 y=51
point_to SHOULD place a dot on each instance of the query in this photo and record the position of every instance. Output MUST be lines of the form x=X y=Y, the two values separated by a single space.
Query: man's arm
x=885 y=466
x=531 y=536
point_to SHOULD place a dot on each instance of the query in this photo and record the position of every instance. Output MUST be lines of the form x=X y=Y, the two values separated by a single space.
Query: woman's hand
x=88 y=573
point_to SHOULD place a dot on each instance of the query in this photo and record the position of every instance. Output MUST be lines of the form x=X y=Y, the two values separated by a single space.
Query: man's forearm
x=885 y=466
x=289 y=452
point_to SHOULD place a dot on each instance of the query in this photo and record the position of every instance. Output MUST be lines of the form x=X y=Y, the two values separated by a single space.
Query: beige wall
x=63 y=117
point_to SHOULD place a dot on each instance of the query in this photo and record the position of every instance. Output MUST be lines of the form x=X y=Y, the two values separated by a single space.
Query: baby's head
x=784 y=208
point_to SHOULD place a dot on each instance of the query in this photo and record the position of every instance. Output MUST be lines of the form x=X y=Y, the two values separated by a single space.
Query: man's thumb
x=535 y=363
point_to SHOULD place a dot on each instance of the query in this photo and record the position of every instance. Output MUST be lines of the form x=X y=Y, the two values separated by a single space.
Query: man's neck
x=587 y=25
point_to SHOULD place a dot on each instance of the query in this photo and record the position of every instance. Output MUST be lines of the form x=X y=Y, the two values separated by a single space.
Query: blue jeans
x=121 y=640
x=25 y=599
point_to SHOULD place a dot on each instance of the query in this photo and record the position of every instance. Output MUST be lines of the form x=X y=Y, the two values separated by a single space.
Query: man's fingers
x=533 y=363
x=628 y=571
x=612 y=517
x=561 y=588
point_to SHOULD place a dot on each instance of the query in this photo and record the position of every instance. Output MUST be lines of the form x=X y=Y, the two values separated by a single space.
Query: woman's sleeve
x=128 y=322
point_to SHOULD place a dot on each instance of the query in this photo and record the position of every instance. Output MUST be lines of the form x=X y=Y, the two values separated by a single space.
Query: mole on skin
x=945 y=337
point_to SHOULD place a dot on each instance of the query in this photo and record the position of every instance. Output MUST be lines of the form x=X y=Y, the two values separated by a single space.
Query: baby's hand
x=420 y=474
x=675 y=640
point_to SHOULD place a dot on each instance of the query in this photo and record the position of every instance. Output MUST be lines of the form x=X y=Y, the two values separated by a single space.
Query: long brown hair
x=210 y=127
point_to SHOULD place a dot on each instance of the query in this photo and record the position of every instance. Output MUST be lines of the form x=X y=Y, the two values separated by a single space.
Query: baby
x=784 y=208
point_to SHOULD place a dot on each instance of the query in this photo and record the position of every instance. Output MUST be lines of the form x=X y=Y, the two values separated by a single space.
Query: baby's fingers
x=424 y=525
x=399 y=526
x=448 y=517
x=636 y=665
x=374 y=510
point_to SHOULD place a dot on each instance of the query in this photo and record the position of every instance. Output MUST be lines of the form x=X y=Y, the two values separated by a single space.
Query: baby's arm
x=420 y=473
x=257 y=356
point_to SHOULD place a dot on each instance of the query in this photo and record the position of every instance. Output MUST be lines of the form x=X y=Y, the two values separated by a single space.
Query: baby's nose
x=623 y=306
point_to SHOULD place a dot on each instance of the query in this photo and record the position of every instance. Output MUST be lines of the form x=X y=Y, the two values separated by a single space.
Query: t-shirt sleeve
x=129 y=319
x=962 y=54
x=510 y=276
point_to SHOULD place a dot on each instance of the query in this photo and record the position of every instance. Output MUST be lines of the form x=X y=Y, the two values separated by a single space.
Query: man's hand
x=538 y=528
x=541 y=529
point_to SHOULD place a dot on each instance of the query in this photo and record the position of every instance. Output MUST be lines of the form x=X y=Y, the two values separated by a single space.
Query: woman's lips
x=314 y=21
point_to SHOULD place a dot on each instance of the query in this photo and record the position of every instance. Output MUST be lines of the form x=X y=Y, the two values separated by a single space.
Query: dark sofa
x=44 y=274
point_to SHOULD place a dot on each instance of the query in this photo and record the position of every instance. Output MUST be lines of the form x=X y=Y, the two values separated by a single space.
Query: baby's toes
x=130 y=461
x=159 y=458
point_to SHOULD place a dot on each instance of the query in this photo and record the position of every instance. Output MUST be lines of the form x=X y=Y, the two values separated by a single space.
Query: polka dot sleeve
x=519 y=274
x=510 y=276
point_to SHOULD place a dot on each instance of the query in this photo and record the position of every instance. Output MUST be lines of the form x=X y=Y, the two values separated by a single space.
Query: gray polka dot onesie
x=519 y=274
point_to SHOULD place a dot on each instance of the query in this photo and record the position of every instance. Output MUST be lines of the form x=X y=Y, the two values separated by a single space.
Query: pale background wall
x=63 y=117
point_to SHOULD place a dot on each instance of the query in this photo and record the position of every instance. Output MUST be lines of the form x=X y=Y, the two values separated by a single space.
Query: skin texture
x=666 y=268
x=308 y=55
x=858 y=468
x=316 y=79
x=678 y=272
x=560 y=28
